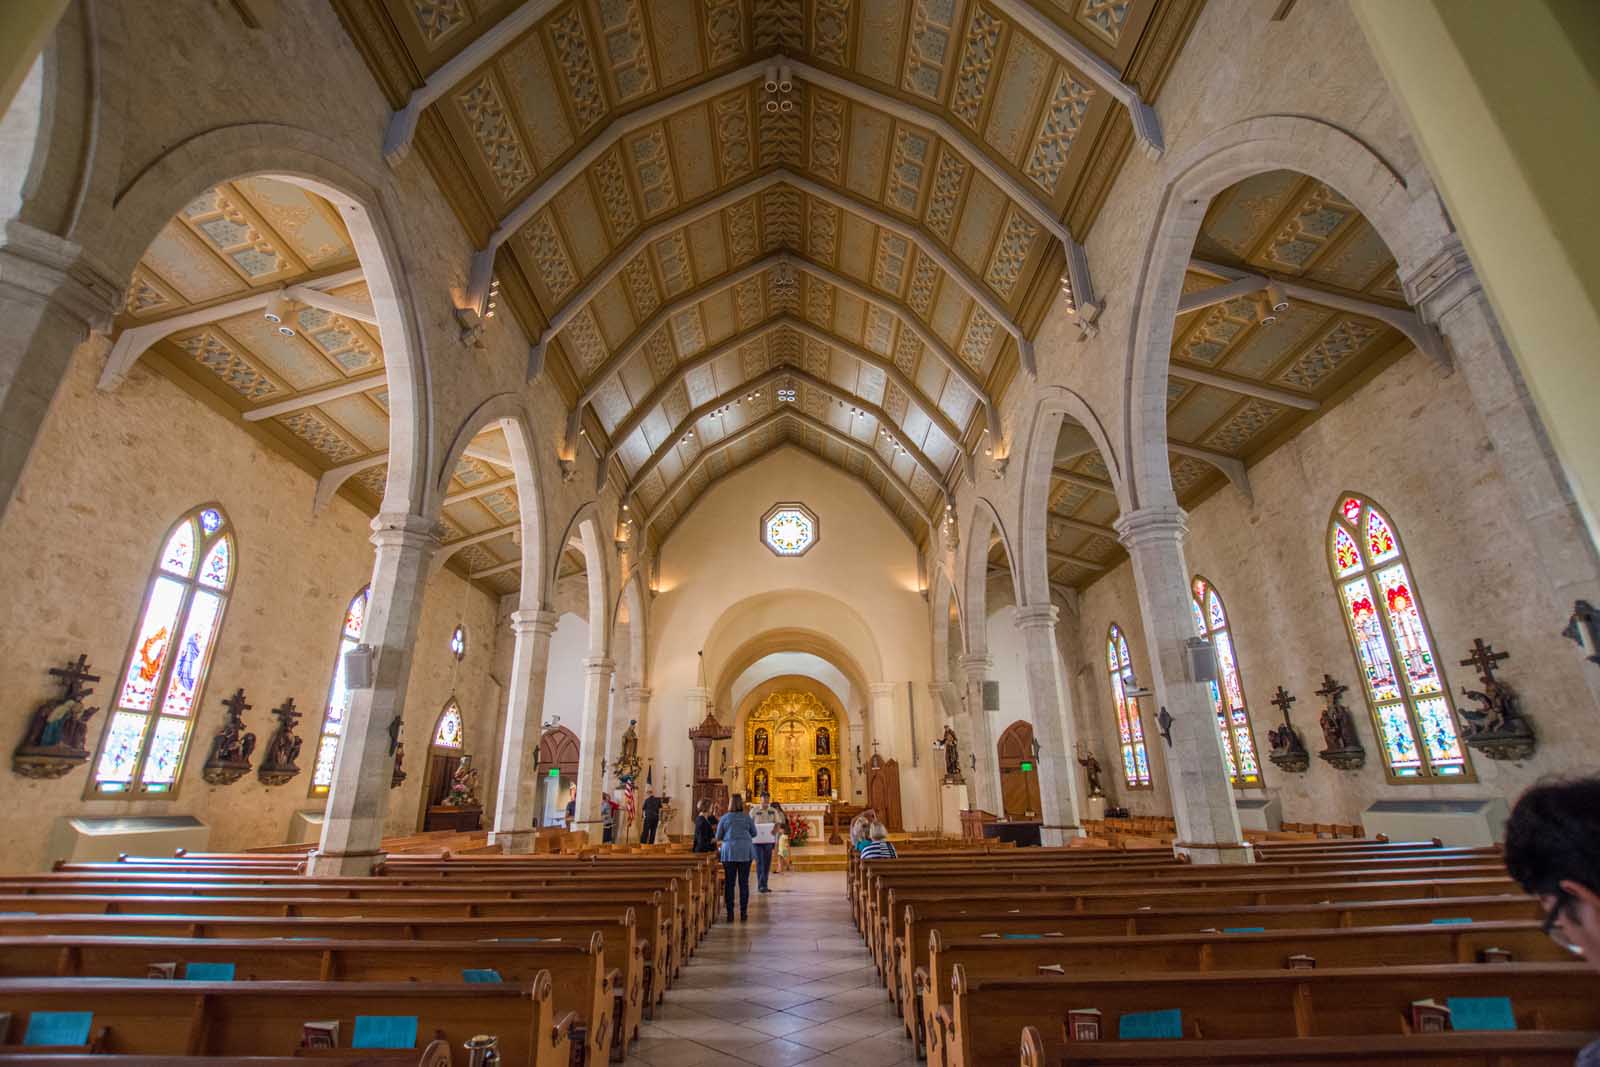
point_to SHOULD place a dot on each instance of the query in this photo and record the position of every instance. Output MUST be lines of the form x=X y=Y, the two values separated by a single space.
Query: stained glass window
x=1382 y=609
x=147 y=732
x=447 y=732
x=338 y=706
x=458 y=642
x=789 y=529
x=1227 y=692
x=1130 y=731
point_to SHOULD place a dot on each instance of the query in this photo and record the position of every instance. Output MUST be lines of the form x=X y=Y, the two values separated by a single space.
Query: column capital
x=883 y=689
x=400 y=529
x=53 y=268
x=1444 y=280
x=1037 y=616
x=979 y=662
x=1160 y=522
x=638 y=693
x=599 y=665
x=533 y=622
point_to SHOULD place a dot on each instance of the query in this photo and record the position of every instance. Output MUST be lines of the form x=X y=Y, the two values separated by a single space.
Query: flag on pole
x=628 y=798
x=650 y=775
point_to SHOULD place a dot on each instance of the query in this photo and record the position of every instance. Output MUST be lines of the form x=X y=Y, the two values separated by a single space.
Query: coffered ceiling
x=680 y=197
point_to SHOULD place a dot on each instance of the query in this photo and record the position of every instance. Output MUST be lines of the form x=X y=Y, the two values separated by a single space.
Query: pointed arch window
x=1382 y=609
x=1227 y=692
x=1130 y=731
x=447 y=732
x=338 y=705
x=147 y=732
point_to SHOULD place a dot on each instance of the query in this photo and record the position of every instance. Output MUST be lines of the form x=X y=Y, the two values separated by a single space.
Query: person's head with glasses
x=1553 y=851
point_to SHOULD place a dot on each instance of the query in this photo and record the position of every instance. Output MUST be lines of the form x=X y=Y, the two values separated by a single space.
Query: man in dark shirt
x=652 y=817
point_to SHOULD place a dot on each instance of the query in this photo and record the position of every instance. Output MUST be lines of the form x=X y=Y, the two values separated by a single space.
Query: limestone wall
x=111 y=473
x=1412 y=441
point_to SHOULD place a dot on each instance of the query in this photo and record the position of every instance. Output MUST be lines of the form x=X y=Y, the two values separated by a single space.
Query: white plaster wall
x=1412 y=441
x=563 y=684
x=780 y=663
x=112 y=472
x=1010 y=670
x=863 y=565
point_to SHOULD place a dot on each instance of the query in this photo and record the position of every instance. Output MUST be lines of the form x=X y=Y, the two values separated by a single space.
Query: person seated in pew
x=1553 y=851
x=859 y=827
x=878 y=846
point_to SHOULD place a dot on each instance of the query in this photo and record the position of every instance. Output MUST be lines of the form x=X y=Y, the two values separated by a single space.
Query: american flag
x=627 y=798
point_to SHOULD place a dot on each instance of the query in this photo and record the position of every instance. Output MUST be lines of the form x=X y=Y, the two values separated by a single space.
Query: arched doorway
x=445 y=756
x=557 y=767
x=1019 y=777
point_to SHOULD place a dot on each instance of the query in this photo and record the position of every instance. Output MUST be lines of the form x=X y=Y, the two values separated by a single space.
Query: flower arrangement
x=799 y=831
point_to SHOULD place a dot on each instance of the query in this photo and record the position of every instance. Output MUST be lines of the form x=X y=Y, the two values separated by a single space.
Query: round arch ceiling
x=731 y=224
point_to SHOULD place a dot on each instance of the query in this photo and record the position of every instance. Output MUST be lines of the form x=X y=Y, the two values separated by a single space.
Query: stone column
x=49 y=301
x=884 y=729
x=858 y=743
x=1052 y=723
x=592 y=748
x=517 y=793
x=1197 y=775
x=352 y=827
x=1448 y=293
x=985 y=791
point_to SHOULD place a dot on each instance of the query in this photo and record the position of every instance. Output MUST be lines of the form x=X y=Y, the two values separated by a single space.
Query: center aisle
x=793 y=985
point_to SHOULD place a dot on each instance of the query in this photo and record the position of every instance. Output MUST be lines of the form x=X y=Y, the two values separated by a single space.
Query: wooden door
x=883 y=792
x=1019 y=777
x=441 y=769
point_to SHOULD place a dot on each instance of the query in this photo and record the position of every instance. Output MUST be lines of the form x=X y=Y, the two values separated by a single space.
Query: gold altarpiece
x=791 y=745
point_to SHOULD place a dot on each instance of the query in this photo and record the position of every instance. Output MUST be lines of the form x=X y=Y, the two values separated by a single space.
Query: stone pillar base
x=1214 y=853
x=514 y=842
x=343 y=864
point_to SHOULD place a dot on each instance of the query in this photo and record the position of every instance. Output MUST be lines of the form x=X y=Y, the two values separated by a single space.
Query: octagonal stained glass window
x=789 y=529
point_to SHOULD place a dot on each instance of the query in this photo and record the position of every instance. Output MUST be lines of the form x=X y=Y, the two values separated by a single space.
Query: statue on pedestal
x=627 y=767
x=278 y=766
x=952 y=756
x=1344 y=749
x=1092 y=771
x=1288 y=751
x=57 y=739
x=229 y=758
x=463 y=786
x=1496 y=727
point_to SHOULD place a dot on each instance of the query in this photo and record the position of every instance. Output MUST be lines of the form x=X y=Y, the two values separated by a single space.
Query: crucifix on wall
x=790 y=745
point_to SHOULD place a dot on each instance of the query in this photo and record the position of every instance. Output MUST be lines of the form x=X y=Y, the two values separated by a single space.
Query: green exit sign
x=555 y=772
x=1027 y=766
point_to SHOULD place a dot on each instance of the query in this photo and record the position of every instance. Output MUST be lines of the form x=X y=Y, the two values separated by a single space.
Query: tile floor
x=793 y=985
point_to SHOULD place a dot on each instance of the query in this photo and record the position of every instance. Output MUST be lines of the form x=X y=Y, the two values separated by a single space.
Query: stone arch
x=359 y=191
x=984 y=524
x=1411 y=222
x=1056 y=404
x=631 y=602
x=584 y=529
x=505 y=409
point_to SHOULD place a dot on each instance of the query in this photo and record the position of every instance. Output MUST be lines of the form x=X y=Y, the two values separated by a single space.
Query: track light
x=277 y=312
x=1277 y=298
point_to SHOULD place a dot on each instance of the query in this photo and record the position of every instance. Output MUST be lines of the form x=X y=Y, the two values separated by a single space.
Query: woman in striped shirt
x=877 y=846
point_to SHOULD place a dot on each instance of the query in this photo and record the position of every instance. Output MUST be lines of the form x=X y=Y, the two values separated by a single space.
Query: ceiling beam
x=768 y=420
x=336 y=391
x=489 y=572
x=450 y=548
x=1077 y=561
x=547 y=187
x=1146 y=125
x=493 y=486
x=1408 y=322
x=784 y=372
x=134 y=341
x=1072 y=477
x=1035 y=206
x=1285 y=397
x=334 y=477
x=403 y=123
x=1232 y=467
x=1082 y=526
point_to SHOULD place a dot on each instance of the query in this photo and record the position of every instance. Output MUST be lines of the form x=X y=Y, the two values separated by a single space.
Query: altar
x=815 y=815
x=791 y=751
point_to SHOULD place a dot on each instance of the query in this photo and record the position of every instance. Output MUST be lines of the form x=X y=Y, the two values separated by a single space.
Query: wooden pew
x=172 y=1019
x=1372 y=946
x=436 y=1054
x=986 y=1016
x=624 y=950
x=1516 y=1049
x=920 y=921
x=581 y=983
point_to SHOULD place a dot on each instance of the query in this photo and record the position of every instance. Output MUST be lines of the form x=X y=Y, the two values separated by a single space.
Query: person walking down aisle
x=705 y=828
x=736 y=833
x=765 y=817
x=652 y=817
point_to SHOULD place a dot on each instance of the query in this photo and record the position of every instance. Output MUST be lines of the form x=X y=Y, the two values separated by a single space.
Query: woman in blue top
x=736 y=833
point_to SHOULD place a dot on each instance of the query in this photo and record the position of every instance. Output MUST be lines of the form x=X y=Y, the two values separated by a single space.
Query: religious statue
x=1288 y=751
x=399 y=774
x=758 y=785
x=1091 y=770
x=1496 y=727
x=762 y=742
x=463 y=786
x=229 y=758
x=57 y=738
x=952 y=756
x=824 y=742
x=824 y=782
x=627 y=765
x=283 y=748
x=1344 y=749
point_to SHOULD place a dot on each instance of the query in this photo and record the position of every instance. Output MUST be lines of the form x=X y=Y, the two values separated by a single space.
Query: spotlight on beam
x=277 y=312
